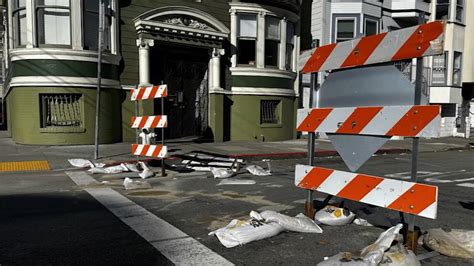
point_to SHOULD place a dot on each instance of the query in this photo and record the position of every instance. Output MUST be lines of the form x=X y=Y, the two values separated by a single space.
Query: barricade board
x=157 y=121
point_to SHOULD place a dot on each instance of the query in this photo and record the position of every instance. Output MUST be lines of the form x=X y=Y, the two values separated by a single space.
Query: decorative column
x=283 y=41
x=233 y=37
x=261 y=39
x=215 y=69
x=144 y=60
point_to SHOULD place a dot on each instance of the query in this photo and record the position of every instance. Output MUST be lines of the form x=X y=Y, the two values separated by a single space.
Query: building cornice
x=62 y=54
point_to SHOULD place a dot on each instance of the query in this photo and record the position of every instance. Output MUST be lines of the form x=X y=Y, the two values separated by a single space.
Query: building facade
x=447 y=78
x=230 y=67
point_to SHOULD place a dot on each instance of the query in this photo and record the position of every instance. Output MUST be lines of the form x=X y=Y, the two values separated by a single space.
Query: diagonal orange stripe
x=359 y=118
x=156 y=121
x=154 y=89
x=134 y=148
x=416 y=199
x=132 y=121
x=363 y=50
x=417 y=118
x=165 y=91
x=315 y=178
x=318 y=58
x=143 y=122
x=314 y=119
x=359 y=186
x=157 y=150
x=145 y=149
x=141 y=92
x=419 y=41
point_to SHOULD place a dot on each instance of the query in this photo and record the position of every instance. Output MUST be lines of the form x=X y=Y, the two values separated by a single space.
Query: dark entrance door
x=184 y=70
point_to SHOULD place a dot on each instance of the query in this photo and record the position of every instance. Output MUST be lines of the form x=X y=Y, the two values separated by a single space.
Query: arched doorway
x=181 y=47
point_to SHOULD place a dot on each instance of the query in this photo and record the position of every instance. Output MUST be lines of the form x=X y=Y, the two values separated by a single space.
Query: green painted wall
x=261 y=82
x=245 y=119
x=216 y=119
x=48 y=67
x=24 y=116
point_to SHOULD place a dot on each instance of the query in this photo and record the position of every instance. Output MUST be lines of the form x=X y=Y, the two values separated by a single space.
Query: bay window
x=91 y=24
x=246 y=39
x=290 y=44
x=457 y=68
x=439 y=69
x=442 y=9
x=53 y=22
x=272 y=41
x=19 y=23
x=371 y=27
x=459 y=10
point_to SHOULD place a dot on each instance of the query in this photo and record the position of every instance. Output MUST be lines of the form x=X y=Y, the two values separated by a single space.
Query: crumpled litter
x=222 y=172
x=399 y=255
x=454 y=243
x=240 y=232
x=371 y=255
x=299 y=223
x=116 y=169
x=130 y=184
x=258 y=170
x=147 y=172
x=331 y=215
x=82 y=163
x=361 y=222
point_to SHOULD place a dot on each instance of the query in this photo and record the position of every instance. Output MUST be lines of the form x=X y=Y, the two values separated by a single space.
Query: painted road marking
x=24 y=166
x=437 y=177
x=173 y=243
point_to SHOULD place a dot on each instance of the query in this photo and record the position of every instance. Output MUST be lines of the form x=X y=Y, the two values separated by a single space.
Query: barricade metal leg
x=163 y=168
x=309 y=205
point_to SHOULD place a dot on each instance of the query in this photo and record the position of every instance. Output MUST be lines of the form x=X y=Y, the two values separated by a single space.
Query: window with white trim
x=345 y=29
x=457 y=66
x=442 y=9
x=53 y=22
x=371 y=27
x=459 y=10
x=19 y=23
x=290 y=45
x=439 y=69
x=247 y=39
x=272 y=41
x=91 y=24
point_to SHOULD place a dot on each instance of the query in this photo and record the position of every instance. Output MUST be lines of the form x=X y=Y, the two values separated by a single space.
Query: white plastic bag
x=362 y=222
x=116 y=169
x=80 y=163
x=240 y=232
x=300 y=223
x=147 y=172
x=221 y=172
x=399 y=255
x=257 y=170
x=131 y=167
x=130 y=184
x=331 y=215
x=97 y=170
x=455 y=243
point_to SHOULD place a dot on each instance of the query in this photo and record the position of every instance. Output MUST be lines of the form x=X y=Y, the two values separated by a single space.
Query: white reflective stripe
x=300 y=172
x=134 y=94
x=335 y=118
x=339 y=54
x=386 y=192
x=385 y=120
x=161 y=91
x=164 y=152
x=432 y=130
x=163 y=121
x=431 y=210
x=149 y=121
x=336 y=182
x=304 y=57
x=389 y=46
x=137 y=121
x=139 y=149
x=151 y=150
x=146 y=95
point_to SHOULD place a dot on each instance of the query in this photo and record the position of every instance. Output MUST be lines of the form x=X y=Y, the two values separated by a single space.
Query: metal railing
x=269 y=112
x=61 y=110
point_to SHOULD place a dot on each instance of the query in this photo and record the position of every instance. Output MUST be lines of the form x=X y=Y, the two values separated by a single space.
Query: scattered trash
x=97 y=170
x=240 y=232
x=82 y=163
x=362 y=222
x=131 y=167
x=237 y=182
x=222 y=173
x=331 y=215
x=116 y=169
x=399 y=255
x=258 y=170
x=130 y=184
x=370 y=255
x=105 y=182
x=300 y=223
x=454 y=243
x=147 y=172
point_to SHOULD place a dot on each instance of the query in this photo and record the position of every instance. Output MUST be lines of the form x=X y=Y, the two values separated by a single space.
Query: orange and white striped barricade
x=347 y=120
x=158 y=121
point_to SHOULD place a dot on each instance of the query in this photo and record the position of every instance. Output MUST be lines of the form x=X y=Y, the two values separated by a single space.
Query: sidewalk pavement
x=252 y=150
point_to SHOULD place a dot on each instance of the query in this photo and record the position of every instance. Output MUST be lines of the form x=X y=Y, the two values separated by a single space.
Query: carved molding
x=145 y=43
x=187 y=22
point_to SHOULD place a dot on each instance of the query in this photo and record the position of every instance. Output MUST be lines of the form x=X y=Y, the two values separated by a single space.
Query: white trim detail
x=261 y=91
x=62 y=54
x=262 y=72
x=29 y=81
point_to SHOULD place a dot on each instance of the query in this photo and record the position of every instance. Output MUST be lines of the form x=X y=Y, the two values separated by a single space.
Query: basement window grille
x=269 y=112
x=61 y=111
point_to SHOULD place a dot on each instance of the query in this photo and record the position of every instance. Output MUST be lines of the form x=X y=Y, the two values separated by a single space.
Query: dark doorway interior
x=184 y=70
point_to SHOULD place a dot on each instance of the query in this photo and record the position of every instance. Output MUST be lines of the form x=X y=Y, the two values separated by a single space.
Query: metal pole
x=99 y=76
x=412 y=236
x=309 y=205
x=163 y=168
x=137 y=130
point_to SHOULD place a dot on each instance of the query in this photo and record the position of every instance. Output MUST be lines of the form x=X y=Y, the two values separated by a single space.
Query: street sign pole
x=412 y=237
x=99 y=76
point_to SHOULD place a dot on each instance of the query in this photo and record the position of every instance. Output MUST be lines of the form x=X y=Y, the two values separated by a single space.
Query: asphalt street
x=47 y=219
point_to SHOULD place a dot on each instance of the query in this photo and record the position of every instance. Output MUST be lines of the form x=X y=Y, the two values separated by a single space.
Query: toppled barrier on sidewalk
x=262 y=225
x=454 y=242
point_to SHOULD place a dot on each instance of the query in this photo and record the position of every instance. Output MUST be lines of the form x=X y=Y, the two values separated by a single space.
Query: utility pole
x=99 y=75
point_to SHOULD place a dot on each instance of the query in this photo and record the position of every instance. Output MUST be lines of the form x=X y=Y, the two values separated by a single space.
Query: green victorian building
x=230 y=67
